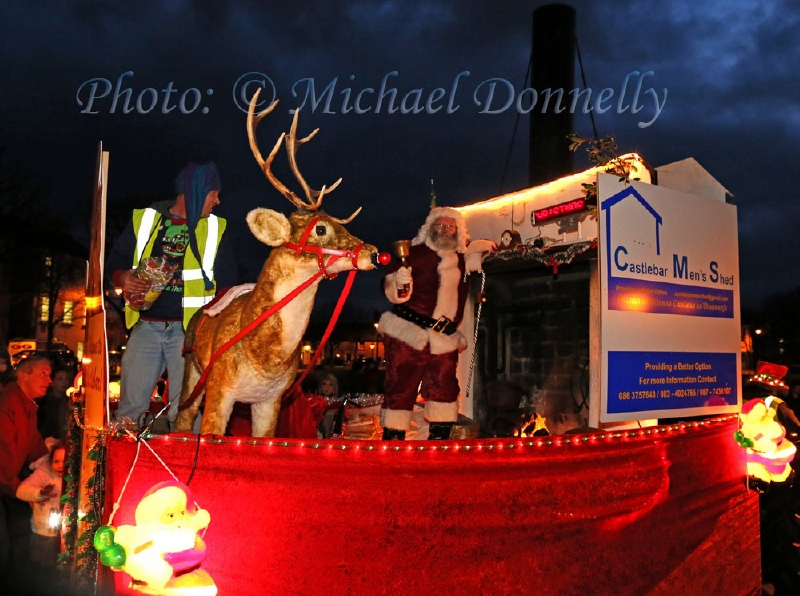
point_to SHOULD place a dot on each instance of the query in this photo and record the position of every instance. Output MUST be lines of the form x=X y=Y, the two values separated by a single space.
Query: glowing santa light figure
x=769 y=453
x=162 y=552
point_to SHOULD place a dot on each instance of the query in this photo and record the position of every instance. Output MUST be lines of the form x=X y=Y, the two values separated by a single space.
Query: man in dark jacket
x=20 y=444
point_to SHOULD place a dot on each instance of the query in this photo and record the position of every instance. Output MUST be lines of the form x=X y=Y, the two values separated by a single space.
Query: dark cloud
x=729 y=69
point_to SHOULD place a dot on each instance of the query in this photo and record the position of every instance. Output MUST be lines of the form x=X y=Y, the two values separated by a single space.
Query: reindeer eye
x=321 y=230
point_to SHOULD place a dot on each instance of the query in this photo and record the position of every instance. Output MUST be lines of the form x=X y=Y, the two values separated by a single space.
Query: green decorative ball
x=113 y=556
x=104 y=538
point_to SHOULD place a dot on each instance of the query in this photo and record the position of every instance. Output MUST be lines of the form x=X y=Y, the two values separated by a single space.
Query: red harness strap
x=319 y=250
x=335 y=255
x=329 y=329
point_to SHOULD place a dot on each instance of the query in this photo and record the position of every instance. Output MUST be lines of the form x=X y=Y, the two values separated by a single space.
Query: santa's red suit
x=421 y=338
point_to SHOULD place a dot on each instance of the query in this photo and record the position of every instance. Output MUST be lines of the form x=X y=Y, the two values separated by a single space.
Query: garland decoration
x=549 y=257
x=69 y=496
x=77 y=552
x=86 y=557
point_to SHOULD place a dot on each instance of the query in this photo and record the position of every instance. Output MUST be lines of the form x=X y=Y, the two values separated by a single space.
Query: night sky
x=728 y=71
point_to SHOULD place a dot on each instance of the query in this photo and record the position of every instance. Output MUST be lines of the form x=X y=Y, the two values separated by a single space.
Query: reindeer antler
x=314 y=197
x=348 y=220
x=292 y=145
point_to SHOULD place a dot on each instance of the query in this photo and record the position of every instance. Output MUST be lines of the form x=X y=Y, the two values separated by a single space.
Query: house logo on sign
x=639 y=225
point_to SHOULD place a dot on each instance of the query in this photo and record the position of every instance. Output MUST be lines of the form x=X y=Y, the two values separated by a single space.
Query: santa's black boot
x=440 y=431
x=392 y=434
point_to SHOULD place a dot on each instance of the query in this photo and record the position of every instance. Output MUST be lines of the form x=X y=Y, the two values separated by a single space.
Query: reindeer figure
x=260 y=367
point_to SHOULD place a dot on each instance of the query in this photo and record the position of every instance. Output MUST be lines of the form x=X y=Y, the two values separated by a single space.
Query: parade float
x=645 y=495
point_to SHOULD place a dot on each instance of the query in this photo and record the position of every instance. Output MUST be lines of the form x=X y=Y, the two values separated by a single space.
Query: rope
x=124 y=486
x=583 y=77
x=475 y=336
x=139 y=442
x=161 y=461
x=514 y=136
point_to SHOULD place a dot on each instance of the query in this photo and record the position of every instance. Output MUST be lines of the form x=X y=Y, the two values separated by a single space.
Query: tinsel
x=69 y=495
x=364 y=400
x=549 y=257
x=86 y=555
x=77 y=550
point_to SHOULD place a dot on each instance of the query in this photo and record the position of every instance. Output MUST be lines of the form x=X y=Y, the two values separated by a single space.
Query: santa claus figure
x=163 y=550
x=769 y=452
x=421 y=331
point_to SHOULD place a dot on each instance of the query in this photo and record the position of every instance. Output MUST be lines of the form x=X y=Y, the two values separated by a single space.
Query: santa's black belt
x=440 y=325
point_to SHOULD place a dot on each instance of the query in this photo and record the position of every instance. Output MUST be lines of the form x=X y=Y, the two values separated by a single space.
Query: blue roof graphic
x=622 y=195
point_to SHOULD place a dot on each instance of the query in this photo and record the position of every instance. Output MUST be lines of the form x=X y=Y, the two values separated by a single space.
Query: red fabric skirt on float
x=656 y=511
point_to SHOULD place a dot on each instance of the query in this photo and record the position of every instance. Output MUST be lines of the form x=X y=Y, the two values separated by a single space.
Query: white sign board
x=669 y=270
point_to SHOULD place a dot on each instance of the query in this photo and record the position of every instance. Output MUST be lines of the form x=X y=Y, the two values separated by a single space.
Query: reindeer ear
x=270 y=227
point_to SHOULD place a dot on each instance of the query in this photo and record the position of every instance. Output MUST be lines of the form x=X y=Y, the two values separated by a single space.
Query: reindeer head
x=312 y=236
x=309 y=232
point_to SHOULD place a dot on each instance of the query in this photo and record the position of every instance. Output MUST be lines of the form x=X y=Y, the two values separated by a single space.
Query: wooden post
x=95 y=358
x=595 y=353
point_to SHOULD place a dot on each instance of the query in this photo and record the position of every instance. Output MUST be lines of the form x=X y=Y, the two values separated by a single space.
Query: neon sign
x=541 y=215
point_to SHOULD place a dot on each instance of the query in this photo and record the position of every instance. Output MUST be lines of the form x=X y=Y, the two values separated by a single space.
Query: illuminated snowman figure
x=163 y=550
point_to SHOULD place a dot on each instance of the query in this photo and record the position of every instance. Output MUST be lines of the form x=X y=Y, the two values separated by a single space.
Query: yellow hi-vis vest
x=208 y=232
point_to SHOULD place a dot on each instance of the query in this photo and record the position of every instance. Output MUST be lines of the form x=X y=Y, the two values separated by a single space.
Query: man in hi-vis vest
x=188 y=237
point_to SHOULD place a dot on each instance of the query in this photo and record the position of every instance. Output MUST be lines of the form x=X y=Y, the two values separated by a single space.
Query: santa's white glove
x=476 y=251
x=403 y=276
x=472 y=263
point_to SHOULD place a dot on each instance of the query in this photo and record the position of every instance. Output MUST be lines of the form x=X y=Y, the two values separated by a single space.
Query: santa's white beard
x=442 y=242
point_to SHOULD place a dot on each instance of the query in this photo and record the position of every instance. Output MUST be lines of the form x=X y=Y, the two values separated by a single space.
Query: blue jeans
x=152 y=347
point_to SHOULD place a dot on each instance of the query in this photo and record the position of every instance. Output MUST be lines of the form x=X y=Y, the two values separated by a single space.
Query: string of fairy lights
x=493 y=445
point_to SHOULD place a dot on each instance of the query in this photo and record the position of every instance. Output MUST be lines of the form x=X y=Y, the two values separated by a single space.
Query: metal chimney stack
x=553 y=67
